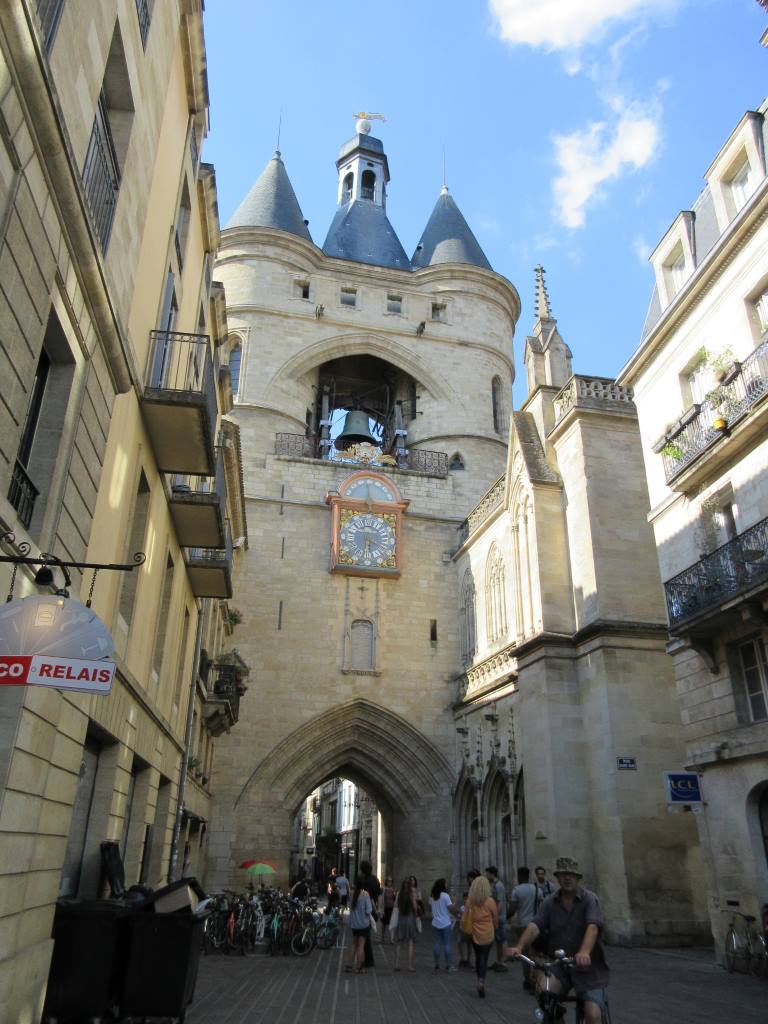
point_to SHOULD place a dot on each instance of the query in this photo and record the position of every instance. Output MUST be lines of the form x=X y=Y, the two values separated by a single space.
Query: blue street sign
x=683 y=787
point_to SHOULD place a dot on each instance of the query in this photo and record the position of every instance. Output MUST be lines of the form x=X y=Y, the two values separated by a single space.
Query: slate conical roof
x=361 y=231
x=271 y=203
x=448 y=238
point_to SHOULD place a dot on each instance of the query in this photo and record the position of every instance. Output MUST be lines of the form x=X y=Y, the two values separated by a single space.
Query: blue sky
x=574 y=130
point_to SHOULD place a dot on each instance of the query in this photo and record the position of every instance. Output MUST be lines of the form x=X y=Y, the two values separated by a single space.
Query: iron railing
x=366 y=192
x=183 y=484
x=744 y=386
x=213 y=558
x=101 y=174
x=418 y=459
x=144 y=14
x=731 y=570
x=179 y=361
x=22 y=493
x=49 y=13
x=226 y=687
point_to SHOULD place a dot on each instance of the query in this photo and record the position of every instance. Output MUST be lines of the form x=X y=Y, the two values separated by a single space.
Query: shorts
x=590 y=995
x=361 y=932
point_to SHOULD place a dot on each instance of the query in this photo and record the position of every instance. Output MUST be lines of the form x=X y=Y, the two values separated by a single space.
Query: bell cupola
x=360 y=230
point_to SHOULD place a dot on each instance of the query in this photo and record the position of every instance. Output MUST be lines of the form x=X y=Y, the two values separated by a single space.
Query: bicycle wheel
x=731 y=949
x=326 y=935
x=758 y=960
x=303 y=942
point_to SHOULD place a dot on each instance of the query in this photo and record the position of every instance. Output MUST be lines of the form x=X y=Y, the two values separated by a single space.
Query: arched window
x=496 y=402
x=495 y=596
x=235 y=354
x=346 y=187
x=467 y=616
x=361 y=645
x=456 y=461
x=368 y=186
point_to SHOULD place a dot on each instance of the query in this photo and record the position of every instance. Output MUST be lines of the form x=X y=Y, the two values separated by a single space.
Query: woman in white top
x=442 y=923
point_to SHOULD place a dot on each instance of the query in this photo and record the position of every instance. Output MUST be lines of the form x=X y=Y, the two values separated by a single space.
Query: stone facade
x=521 y=651
x=703 y=359
x=104 y=205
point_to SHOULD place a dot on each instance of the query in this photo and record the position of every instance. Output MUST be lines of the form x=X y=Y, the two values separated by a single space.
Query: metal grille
x=101 y=174
x=418 y=459
x=187 y=483
x=743 y=388
x=730 y=570
x=22 y=493
x=144 y=14
x=214 y=556
x=49 y=13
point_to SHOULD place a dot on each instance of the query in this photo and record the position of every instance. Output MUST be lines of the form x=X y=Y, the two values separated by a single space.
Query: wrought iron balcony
x=22 y=493
x=101 y=174
x=420 y=460
x=210 y=569
x=198 y=507
x=734 y=569
x=222 y=705
x=745 y=386
x=179 y=402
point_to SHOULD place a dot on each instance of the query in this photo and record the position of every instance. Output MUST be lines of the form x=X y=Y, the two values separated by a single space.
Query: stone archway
x=407 y=776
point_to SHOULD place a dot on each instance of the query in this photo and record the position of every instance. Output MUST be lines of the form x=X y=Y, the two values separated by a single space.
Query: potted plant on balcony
x=234 y=616
x=672 y=450
x=233 y=660
x=720 y=363
x=193 y=763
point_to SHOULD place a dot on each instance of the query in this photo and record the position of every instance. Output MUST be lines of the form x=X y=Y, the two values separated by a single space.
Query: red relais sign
x=63 y=673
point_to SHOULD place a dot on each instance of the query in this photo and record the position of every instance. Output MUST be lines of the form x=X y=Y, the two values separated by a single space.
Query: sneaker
x=450 y=970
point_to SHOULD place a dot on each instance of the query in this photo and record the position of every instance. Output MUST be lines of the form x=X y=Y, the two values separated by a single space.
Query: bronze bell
x=355 y=430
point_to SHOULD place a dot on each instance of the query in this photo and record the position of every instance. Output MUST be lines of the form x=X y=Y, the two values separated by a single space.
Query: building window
x=438 y=311
x=468 y=618
x=346 y=187
x=456 y=463
x=49 y=13
x=761 y=312
x=697 y=382
x=753 y=665
x=495 y=597
x=368 y=186
x=496 y=404
x=302 y=289
x=129 y=581
x=144 y=14
x=675 y=272
x=394 y=303
x=235 y=357
x=349 y=296
x=361 y=645
x=182 y=226
x=741 y=185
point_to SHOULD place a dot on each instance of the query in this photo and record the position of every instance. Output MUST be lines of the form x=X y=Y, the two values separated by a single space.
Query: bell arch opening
x=405 y=775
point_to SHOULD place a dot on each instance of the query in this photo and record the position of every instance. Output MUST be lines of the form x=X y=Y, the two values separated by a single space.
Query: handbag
x=394 y=919
x=466 y=922
x=418 y=925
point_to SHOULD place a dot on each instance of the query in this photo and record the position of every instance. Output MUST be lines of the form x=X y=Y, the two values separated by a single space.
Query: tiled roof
x=448 y=238
x=271 y=203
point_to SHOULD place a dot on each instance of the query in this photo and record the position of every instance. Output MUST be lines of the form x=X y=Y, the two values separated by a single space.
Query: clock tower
x=366 y=526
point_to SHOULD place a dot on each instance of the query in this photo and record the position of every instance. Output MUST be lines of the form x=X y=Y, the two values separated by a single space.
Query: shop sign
x=51 y=640
x=683 y=788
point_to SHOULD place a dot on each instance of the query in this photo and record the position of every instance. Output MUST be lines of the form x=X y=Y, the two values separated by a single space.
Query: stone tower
x=349 y=591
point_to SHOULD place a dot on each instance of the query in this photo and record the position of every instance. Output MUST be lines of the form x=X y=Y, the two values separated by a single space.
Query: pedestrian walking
x=388 y=899
x=465 y=929
x=372 y=886
x=522 y=903
x=342 y=887
x=543 y=885
x=499 y=895
x=331 y=890
x=406 y=922
x=442 y=907
x=360 y=923
x=481 y=910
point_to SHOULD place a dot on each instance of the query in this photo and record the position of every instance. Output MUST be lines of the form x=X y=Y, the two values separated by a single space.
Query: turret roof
x=271 y=203
x=361 y=232
x=448 y=238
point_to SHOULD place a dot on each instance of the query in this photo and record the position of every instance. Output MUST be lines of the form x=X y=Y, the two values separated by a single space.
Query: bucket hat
x=567 y=865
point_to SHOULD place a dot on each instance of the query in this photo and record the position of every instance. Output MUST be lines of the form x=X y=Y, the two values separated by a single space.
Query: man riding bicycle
x=571 y=919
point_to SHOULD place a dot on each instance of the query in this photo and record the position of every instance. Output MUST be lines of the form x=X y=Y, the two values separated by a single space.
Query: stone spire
x=547 y=357
x=271 y=203
x=447 y=238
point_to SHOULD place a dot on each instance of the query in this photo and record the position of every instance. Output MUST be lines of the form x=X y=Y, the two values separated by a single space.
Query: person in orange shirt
x=485 y=918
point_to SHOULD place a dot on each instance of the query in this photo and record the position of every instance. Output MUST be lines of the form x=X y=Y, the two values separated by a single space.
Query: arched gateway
x=402 y=770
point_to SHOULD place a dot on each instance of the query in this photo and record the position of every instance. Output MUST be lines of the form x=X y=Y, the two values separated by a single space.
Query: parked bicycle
x=553 y=1006
x=327 y=931
x=744 y=942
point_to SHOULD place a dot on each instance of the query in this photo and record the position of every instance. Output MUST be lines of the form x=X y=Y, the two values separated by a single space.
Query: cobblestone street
x=673 y=987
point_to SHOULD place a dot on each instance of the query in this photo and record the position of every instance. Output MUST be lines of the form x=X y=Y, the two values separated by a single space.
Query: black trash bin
x=90 y=944
x=161 y=969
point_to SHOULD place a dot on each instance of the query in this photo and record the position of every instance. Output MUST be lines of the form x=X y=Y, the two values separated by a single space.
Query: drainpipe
x=185 y=752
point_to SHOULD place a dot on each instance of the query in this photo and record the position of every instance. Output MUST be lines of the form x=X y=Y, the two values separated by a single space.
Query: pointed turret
x=271 y=203
x=547 y=357
x=448 y=238
x=361 y=231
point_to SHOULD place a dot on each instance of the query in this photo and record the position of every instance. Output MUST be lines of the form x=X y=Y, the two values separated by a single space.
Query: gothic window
x=456 y=462
x=361 y=645
x=346 y=187
x=495 y=596
x=235 y=357
x=468 y=618
x=368 y=186
x=524 y=562
x=496 y=404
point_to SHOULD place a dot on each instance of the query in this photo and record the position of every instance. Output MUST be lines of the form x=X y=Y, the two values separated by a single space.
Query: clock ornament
x=366 y=526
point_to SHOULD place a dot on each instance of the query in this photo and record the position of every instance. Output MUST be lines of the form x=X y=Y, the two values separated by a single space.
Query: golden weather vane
x=363 y=116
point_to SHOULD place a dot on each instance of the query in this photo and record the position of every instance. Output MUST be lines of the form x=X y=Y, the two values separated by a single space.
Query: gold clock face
x=367 y=539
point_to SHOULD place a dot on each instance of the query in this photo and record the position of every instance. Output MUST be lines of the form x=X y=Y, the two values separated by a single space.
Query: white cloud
x=641 y=248
x=589 y=157
x=555 y=25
